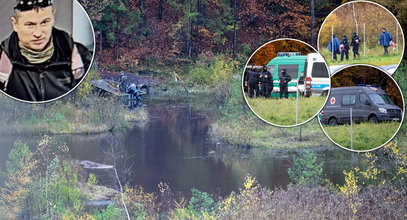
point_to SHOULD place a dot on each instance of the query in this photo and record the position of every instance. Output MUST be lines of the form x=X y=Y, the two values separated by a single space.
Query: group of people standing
x=342 y=47
x=259 y=83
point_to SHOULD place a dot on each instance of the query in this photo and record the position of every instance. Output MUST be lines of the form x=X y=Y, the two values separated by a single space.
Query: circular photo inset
x=286 y=82
x=364 y=110
x=46 y=48
x=361 y=32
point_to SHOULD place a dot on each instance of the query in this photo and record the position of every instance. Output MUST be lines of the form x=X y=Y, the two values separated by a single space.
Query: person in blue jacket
x=384 y=40
x=333 y=46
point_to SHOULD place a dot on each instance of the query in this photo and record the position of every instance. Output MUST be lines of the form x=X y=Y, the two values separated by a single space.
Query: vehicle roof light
x=289 y=54
x=376 y=86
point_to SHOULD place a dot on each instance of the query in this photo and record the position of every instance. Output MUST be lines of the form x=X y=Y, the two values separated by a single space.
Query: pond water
x=174 y=148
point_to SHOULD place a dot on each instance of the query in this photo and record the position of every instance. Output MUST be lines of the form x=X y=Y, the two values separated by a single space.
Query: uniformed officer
x=284 y=80
x=253 y=82
x=123 y=82
x=355 y=45
x=266 y=80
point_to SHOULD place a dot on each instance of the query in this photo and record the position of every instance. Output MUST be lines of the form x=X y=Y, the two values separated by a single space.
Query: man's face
x=34 y=27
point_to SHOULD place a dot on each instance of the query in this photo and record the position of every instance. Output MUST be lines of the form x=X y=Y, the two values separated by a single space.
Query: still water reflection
x=174 y=147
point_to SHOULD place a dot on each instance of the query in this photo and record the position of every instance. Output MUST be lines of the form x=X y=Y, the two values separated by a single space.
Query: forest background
x=134 y=35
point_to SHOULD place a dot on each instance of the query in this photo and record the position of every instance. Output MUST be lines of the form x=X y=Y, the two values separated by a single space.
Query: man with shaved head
x=39 y=62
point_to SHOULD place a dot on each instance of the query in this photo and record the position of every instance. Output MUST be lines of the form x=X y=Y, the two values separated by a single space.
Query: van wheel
x=324 y=93
x=333 y=122
x=373 y=119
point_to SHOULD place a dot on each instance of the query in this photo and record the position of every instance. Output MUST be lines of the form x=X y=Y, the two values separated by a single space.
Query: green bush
x=306 y=170
x=215 y=73
x=110 y=213
x=200 y=202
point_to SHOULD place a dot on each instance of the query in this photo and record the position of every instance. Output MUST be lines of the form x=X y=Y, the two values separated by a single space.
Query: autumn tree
x=268 y=51
x=15 y=189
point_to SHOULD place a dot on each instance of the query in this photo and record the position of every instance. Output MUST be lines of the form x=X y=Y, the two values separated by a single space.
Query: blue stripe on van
x=319 y=86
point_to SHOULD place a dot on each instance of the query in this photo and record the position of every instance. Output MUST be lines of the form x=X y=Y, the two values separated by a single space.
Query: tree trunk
x=234 y=42
x=312 y=23
x=116 y=50
x=142 y=4
x=189 y=43
x=160 y=9
x=101 y=41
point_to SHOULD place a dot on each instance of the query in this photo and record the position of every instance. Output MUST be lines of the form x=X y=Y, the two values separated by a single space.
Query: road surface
x=389 y=68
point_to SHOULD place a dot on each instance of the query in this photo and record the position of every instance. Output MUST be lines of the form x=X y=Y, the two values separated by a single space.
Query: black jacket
x=353 y=43
x=284 y=79
x=45 y=81
x=266 y=77
x=345 y=43
x=252 y=77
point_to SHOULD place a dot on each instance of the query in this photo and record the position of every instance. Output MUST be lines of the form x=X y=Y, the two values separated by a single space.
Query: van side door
x=348 y=102
x=363 y=108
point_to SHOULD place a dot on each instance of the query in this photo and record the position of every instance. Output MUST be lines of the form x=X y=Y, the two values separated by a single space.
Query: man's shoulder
x=10 y=42
x=62 y=35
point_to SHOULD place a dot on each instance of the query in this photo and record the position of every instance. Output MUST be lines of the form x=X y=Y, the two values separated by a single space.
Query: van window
x=348 y=99
x=271 y=69
x=319 y=70
x=362 y=98
x=380 y=99
x=291 y=70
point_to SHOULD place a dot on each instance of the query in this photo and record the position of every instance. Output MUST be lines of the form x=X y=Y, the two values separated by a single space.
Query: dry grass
x=366 y=136
x=283 y=111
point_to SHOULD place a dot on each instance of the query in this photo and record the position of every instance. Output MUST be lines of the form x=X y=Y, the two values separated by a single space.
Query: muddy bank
x=158 y=87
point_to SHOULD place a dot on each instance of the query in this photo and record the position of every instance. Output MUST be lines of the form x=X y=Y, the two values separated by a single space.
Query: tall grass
x=239 y=126
x=91 y=115
x=366 y=136
x=401 y=79
x=283 y=111
x=374 y=56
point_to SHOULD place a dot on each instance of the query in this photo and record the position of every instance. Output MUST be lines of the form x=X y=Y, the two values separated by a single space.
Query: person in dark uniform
x=253 y=82
x=266 y=80
x=123 y=82
x=39 y=62
x=384 y=40
x=345 y=49
x=135 y=96
x=355 y=45
x=284 y=80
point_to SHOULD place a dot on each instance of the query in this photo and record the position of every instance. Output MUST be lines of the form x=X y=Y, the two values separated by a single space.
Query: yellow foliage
x=227 y=203
x=75 y=217
x=350 y=187
x=250 y=181
x=15 y=190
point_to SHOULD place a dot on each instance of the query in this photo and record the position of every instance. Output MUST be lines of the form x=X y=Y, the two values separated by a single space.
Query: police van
x=368 y=103
x=315 y=75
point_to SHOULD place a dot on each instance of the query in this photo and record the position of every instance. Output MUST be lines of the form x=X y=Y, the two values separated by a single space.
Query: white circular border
x=395 y=133
x=84 y=76
x=357 y=1
x=277 y=125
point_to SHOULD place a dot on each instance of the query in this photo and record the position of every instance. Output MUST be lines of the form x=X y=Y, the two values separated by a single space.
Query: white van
x=315 y=80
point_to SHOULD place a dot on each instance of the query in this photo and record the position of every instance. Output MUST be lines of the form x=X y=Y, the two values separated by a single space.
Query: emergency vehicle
x=312 y=67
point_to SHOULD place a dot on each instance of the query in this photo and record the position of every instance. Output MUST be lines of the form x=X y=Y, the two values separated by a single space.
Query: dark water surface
x=174 y=148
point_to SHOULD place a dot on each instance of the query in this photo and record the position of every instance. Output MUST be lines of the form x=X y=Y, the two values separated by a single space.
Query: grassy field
x=366 y=136
x=248 y=130
x=373 y=56
x=283 y=111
